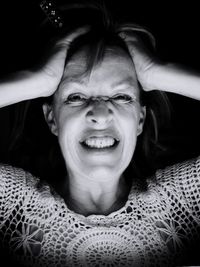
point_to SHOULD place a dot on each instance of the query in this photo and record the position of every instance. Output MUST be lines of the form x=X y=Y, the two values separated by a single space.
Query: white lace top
x=152 y=228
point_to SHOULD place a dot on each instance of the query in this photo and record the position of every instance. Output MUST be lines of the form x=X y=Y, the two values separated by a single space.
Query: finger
x=136 y=31
x=67 y=40
x=59 y=51
x=136 y=46
x=130 y=38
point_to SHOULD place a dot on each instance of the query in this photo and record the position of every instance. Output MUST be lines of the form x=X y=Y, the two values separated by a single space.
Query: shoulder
x=16 y=184
x=181 y=184
x=180 y=173
x=13 y=176
x=20 y=190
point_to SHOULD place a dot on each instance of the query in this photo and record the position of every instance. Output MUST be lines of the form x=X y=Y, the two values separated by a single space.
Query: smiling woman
x=99 y=67
x=102 y=93
x=97 y=134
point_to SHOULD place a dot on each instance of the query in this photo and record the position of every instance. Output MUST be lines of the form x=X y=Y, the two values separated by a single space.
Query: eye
x=76 y=99
x=122 y=99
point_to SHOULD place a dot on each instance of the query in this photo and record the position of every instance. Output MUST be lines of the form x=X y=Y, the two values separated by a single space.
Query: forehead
x=116 y=66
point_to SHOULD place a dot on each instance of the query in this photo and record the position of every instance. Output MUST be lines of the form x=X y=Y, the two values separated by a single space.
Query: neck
x=91 y=197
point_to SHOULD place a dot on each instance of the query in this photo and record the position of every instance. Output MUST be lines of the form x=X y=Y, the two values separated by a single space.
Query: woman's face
x=97 y=136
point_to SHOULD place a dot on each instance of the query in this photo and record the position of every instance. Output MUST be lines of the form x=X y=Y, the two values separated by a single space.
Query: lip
x=100 y=133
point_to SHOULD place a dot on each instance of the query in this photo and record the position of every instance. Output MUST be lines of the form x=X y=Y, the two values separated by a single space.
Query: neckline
x=97 y=217
x=134 y=189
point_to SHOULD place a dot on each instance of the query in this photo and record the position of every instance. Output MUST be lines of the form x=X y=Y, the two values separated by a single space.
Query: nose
x=99 y=113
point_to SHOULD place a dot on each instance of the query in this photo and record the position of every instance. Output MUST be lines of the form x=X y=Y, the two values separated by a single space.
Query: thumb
x=134 y=44
x=67 y=40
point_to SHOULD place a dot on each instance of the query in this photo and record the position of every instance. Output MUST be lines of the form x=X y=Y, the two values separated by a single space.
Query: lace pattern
x=152 y=229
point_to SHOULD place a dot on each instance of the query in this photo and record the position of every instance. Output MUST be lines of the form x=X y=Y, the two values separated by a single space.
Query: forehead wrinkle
x=72 y=81
x=126 y=81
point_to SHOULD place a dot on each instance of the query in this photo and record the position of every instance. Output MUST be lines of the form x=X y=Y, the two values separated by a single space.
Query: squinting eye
x=122 y=99
x=76 y=99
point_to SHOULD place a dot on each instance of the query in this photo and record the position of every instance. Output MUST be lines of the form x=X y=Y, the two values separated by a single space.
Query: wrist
x=156 y=76
x=40 y=85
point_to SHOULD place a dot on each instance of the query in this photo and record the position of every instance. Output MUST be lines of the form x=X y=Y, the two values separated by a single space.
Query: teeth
x=100 y=142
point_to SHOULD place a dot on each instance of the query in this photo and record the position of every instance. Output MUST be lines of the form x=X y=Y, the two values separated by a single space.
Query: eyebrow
x=129 y=80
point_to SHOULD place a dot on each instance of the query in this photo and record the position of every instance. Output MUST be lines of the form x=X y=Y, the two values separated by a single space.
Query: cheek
x=69 y=127
x=129 y=125
x=66 y=119
x=129 y=118
x=130 y=134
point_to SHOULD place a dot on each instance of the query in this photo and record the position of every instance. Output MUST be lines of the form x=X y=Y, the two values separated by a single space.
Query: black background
x=176 y=26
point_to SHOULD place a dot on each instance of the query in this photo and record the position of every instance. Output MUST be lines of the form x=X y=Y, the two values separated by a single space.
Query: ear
x=50 y=118
x=141 y=120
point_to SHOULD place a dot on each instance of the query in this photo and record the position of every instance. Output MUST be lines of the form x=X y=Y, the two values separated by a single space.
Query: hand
x=51 y=72
x=146 y=64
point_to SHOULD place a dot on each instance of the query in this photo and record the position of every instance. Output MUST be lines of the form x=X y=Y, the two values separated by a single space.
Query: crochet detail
x=154 y=227
x=111 y=247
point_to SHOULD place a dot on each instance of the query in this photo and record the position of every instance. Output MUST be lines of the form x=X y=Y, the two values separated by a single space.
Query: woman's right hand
x=41 y=82
x=51 y=72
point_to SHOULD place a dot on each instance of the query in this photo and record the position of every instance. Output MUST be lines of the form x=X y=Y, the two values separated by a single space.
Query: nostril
x=90 y=113
x=99 y=114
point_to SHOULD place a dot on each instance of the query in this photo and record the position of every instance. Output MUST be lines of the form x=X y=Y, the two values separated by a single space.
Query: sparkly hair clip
x=52 y=13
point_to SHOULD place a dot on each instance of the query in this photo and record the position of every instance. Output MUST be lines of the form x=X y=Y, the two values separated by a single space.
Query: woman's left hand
x=146 y=64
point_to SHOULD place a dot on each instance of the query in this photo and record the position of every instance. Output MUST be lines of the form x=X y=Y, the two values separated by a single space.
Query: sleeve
x=189 y=180
x=183 y=179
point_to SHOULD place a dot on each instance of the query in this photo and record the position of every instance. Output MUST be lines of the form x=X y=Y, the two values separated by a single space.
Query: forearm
x=177 y=79
x=21 y=86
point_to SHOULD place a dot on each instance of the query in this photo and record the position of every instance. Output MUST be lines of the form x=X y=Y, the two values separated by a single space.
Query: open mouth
x=100 y=142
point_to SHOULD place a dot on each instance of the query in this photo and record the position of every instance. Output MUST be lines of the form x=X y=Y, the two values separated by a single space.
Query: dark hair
x=103 y=33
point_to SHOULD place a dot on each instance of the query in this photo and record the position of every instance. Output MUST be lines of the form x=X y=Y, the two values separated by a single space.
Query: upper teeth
x=100 y=142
